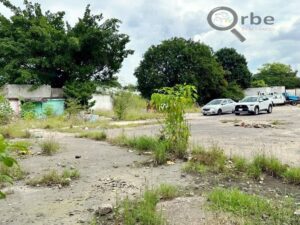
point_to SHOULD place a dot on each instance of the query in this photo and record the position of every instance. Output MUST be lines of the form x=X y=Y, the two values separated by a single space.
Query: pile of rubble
x=254 y=125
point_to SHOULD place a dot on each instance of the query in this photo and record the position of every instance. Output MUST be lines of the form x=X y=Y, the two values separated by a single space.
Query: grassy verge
x=54 y=178
x=144 y=144
x=49 y=147
x=20 y=147
x=253 y=209
x=214 y=160
x=94 y=135
x=15 y=172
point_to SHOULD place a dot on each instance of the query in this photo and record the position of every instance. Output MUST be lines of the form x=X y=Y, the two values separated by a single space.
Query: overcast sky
x=148 y=22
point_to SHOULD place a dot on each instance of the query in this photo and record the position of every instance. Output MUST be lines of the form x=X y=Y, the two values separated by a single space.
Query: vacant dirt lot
x=109 y=173
x=282 y=140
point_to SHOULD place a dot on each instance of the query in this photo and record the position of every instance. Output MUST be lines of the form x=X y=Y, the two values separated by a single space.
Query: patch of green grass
x=94 y=135
x=54 y=178
x=50 y=146
x=194 y=167
x=292 y=175
x=270 y=166
x=214 y=157
x=167 y=192
x=144 y=144
x=11 y=132
x=141 y=211
x=255 y=209
x=240 y=164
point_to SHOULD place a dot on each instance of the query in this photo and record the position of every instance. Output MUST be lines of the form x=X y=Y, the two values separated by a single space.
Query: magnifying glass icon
x=224 y=18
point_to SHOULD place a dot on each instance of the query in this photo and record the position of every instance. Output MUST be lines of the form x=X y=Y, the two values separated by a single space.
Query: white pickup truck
x=253 y=105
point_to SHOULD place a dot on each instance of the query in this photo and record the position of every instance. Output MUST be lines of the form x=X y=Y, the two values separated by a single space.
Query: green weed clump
x=94 y=135
x=292 y=175
x=54 y=178
x=213 y=158
x=50 y=146
x=143 y=210
x=254 y=209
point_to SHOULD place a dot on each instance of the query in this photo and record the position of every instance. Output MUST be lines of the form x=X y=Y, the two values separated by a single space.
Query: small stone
x=170 y=163
x=77 y=156
x=71 y=214
x=115 y=166
x=104 y=209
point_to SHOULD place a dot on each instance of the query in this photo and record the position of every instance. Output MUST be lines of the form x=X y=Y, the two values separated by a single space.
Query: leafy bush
x=121 y=103
x=28 y=111
x=172 y=102
x=6 y=111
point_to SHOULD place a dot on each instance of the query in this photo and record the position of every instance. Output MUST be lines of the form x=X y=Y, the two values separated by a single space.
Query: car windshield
x=249 y=99
x=215 y=102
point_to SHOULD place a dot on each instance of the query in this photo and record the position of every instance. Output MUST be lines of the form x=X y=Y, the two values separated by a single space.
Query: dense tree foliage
x=278 y=74
x=235 y=67
x=179 y=61
x=40 y=48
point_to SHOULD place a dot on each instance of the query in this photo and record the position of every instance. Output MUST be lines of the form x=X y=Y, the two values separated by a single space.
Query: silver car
x=219 y=106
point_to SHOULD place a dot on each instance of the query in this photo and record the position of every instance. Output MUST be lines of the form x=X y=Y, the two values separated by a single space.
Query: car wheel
x=294 y=103
x=220 y=112
x=270 y=109
x=256 y=110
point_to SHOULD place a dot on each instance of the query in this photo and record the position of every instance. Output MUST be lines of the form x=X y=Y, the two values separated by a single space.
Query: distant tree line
x=39 y=48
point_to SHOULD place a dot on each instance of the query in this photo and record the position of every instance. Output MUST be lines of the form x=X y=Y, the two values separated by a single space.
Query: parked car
x=292 y=99
x=219 y=106
x=254 y=105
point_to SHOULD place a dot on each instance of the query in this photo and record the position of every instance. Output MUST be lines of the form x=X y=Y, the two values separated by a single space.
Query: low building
x=42 y=97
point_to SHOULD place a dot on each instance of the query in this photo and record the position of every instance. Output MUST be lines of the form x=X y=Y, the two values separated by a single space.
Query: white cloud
x=150 y=22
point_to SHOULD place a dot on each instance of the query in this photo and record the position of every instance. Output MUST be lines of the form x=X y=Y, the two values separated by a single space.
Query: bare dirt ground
x=109 y=173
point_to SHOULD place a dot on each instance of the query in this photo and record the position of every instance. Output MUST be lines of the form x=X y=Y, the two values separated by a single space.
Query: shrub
x=6 y=111
x=172 y=102
x=95 y=135
x=20 y=147
x=194 y=167
x=28 y=111
x=121 y=103
x=240 y=164
x=49 y=146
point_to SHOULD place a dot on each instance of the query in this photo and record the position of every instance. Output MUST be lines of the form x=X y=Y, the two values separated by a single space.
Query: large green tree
x=179 y=61
x=278 y=74
x=38 y=47
x=235 y=66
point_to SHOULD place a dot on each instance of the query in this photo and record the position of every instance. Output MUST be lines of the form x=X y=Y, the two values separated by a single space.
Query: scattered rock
x=115 y=166
x=104 y=210
x=77 y=156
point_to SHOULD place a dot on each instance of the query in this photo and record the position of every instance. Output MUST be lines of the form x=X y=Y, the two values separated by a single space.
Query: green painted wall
x=57 y=105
